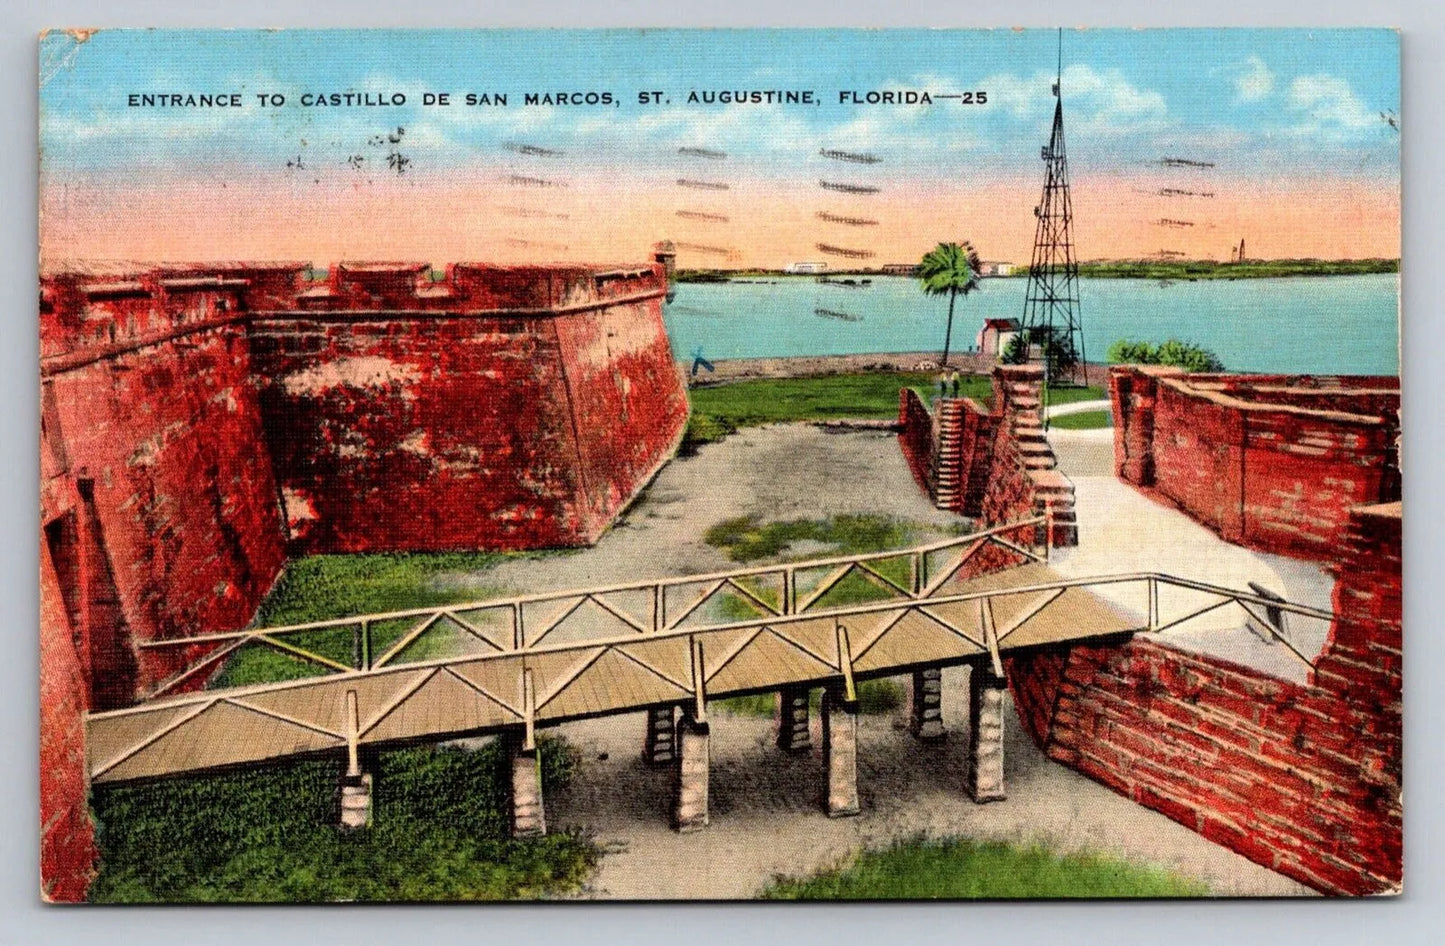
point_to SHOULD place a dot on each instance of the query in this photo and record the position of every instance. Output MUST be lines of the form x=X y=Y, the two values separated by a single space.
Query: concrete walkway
x=1077 y=407
x=1122 y=530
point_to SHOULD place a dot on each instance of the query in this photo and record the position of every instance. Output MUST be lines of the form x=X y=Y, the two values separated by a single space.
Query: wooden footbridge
x=668 y=646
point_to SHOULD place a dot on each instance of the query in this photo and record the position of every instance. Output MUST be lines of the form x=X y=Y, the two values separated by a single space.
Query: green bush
x=1172 y=353
x=269 y=834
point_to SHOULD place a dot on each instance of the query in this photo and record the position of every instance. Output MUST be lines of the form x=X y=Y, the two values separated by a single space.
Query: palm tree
x=953 y=269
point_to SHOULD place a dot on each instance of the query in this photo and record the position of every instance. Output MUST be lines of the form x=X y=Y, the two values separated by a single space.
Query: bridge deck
x=538 y=684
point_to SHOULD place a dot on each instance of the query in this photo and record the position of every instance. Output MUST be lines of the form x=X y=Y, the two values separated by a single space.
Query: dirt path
x=1123 y=530
x=765 y=811
x=766 y=818
x=776 y=472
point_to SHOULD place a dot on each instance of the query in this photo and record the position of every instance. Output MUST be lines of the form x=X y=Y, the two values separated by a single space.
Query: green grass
x=957 y=869
x=321 y=587
x=747 y=539
x=719 y=410
x=722 y=409
x=1085 y=420
x=875 y=698
x=439 y=832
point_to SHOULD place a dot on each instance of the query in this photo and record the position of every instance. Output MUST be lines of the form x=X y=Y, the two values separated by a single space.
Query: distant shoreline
x=806 y=366
x=1177 y=270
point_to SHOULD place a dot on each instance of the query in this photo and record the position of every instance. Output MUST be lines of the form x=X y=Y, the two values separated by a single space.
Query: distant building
x=900 y=269
x=994 y=337
x=997 y=269
x=807 y=268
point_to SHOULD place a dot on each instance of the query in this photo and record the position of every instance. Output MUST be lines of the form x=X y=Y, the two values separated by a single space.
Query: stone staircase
x=947 y=475
x=1053 y=492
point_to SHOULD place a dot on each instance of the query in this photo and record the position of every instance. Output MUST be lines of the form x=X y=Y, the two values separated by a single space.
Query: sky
x=1293 y=122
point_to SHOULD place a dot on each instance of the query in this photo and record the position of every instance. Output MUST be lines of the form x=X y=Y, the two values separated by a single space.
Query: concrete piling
x=690 y=800
x=791 y=719
x=985 y=735
x=925 y=718
x=840 y=753
x=660 y=747
x=529 y=813
x=355 y=801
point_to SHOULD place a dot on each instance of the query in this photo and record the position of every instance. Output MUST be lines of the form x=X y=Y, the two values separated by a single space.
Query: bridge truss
x=516 y=664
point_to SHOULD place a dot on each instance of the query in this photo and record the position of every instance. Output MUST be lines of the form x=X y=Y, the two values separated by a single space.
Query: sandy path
x=766 y=818
x=1122 y=530
x=776 y=472
x=765 y=809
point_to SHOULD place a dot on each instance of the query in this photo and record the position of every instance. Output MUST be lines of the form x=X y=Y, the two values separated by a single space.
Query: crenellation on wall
x=200 y=422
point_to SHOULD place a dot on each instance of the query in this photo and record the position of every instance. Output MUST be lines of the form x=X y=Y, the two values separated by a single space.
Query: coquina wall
x=1304 y=779
x=1272 y=462
x=993 y=465
x=199 y=423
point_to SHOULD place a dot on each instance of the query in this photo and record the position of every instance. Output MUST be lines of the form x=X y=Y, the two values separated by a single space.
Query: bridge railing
x=551 y=682
x=651 y=606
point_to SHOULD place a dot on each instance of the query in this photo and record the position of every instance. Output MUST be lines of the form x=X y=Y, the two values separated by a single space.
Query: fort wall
x=992 y=465
x=1271 y=462
x=1304 y=779
x=199 y=423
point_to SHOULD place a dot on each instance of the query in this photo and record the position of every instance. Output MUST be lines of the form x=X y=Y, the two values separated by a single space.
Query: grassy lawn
x=1086 y=420
x=720 y=410
x=320 y=587
x=269 y=833
x=957 y=869
x=439 y=832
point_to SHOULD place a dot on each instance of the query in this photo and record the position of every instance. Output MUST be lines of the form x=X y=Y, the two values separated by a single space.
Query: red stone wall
x=153 y=449
x=916 y=437
x=1268 y=461
x=1304 y=779
x=628 y=403
x=992 y=465
x=527 y=427
x=67 y=837
x=500 y=407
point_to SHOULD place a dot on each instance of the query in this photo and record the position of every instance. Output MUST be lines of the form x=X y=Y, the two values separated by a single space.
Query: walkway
x=1122 y=530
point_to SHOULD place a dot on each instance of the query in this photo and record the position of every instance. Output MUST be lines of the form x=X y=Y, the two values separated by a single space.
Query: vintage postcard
x=719 y=464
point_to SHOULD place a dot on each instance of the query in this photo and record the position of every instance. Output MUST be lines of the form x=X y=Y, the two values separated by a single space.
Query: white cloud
x=1101 y=102
x=1254 y=82
x=1325 y=106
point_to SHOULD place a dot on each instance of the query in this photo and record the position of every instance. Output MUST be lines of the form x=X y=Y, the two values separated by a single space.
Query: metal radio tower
x=1052 y=316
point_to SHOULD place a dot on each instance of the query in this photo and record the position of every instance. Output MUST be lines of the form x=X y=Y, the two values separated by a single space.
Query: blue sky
x=1258 y=102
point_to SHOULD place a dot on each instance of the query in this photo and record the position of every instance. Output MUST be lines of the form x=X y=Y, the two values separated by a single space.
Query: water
x=1316 y=325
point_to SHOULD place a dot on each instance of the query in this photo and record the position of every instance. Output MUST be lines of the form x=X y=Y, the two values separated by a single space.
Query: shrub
x=1172 y=353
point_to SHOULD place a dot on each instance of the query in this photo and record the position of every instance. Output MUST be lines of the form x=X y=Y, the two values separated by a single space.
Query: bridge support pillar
x=660 y=747
x=689 y=810
x=840 y=753
x=791 y=719
x=355 y=800
x=925 y=718
x=985 y=735
x=529 y=814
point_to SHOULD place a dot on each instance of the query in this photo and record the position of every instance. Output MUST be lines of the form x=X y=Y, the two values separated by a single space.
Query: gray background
x=1413 y=918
